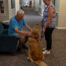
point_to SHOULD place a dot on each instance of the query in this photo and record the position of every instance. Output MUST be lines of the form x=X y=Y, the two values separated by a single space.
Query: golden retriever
x=34 y=51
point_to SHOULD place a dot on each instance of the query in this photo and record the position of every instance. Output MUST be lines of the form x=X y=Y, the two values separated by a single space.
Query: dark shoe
x=18 y=49
x=24 y=46
x=26 y=39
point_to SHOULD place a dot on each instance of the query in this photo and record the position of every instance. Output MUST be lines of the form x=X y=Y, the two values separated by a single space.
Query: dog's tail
x=41 y=63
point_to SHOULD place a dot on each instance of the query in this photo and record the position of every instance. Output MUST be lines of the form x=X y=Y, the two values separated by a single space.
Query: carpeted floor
x=58 y=52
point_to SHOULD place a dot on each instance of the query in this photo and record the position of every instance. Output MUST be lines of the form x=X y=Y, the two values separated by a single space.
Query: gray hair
x=20 y=12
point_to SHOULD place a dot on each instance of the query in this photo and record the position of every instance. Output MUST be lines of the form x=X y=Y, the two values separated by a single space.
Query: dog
x=34 y=51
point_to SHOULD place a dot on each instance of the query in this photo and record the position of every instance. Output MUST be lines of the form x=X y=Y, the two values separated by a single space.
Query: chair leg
x=17 y=45
x=13 y=53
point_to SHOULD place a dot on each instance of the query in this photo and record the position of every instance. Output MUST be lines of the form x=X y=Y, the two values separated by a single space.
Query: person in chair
x=15 y=28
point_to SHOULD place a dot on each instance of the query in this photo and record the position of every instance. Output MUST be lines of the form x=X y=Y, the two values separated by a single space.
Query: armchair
x=7 y=43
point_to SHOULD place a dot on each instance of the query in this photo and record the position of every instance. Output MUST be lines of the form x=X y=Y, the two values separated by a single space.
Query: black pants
x=48 y=37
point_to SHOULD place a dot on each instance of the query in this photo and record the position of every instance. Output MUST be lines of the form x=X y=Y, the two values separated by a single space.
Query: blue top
x=14 y=23
x=45 y=16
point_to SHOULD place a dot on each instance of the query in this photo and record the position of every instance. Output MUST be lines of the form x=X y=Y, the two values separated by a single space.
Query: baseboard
x=60 y=27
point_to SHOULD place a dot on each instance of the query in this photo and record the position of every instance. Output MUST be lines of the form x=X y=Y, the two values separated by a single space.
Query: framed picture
x=12 y=3
x=1 y=7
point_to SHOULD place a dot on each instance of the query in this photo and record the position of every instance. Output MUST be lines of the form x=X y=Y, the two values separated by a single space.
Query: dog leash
x=42 y=34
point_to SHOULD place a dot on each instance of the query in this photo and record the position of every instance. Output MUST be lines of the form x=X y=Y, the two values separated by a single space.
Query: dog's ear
x=35 y=29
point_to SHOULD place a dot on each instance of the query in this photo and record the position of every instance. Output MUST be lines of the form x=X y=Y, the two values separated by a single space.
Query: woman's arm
x=50 y=16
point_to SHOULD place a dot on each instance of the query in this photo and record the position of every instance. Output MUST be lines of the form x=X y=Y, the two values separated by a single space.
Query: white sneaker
x=45 y=52
x=48 y=52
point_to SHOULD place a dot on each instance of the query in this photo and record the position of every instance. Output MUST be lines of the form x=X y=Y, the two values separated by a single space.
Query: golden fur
x=35 y=52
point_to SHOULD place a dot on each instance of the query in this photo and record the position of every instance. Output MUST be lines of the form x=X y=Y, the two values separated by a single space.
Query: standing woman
x=48 y=24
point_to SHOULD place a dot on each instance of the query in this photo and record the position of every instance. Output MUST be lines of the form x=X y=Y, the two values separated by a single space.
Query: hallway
x=58 y=52
x=32 y=17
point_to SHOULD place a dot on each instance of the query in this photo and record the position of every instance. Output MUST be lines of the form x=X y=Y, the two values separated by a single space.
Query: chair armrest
x=8 y=37
x=8 y=43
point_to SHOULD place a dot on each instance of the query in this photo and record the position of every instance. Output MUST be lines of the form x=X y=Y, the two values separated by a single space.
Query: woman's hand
x=43 y=30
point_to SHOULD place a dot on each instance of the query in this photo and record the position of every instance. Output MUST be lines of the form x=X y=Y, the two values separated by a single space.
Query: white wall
x=36 y=5
x=5 y=15
x=32 y=3
x=57 y=5
x=42 y=8
x=22 y=2
x=17 y=6
x=10 y=10
x=62 y=15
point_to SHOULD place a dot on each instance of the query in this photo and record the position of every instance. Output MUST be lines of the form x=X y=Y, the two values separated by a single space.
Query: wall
x=11 y=10
x=62 y=15
x=32 y=3
x=41 y=8
x=57 y=5
x=17 y=6
x=36 y=5
x=6 y=13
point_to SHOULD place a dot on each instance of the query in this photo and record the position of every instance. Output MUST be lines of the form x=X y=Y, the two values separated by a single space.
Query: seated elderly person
x=15 y=28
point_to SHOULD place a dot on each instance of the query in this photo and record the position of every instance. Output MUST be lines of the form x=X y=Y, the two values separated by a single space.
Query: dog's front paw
x=29 y=59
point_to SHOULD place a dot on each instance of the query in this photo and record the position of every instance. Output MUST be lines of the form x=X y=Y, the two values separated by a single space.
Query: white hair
x=20 y=12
